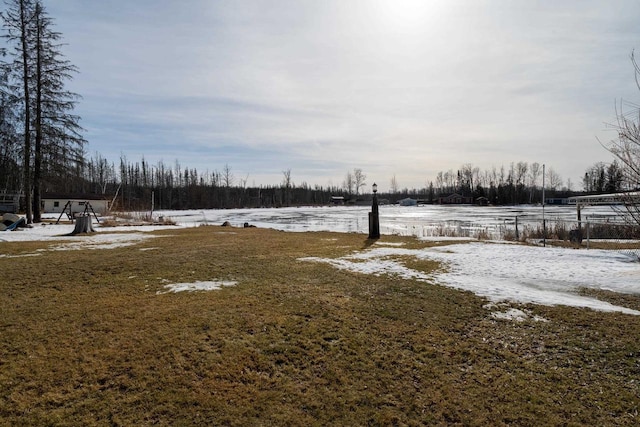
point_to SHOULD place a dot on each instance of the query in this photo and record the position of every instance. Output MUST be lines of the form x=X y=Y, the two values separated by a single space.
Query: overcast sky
x=405 y=88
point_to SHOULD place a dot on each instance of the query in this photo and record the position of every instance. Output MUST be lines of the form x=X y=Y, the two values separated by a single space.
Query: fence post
x=588 y=229
x=517 y=233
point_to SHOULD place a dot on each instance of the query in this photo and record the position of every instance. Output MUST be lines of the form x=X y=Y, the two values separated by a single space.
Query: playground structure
x=82 y=220
x=626 y=200
x=10 y=221
x=74 y=214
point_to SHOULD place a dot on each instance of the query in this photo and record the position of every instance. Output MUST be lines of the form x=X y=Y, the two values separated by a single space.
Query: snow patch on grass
x=91 y=242
x=506 y=272
x=18 y=256
x=516 y=315
x=369 y=263
x=196 y=286
x=102 y=241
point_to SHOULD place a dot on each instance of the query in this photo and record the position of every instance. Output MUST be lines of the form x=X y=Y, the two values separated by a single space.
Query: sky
x=402 y=88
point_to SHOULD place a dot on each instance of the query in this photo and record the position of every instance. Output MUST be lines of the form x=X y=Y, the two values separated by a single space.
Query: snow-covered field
x=498 y=271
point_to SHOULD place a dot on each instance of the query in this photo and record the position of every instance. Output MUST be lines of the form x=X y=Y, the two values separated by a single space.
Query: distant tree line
x=519 y=183
x=602 y=178
x=136 y=185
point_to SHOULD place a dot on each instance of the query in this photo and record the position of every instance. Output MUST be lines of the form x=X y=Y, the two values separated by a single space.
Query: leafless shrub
x=626 y=148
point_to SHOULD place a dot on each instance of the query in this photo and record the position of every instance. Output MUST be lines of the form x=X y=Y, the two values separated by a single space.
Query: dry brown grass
x=119 y=219
x=86 y=340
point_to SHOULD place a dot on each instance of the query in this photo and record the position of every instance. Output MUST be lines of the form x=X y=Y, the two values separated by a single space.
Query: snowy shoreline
x=498 y=271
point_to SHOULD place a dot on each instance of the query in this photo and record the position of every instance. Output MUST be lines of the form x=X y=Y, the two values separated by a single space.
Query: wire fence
x=617 y=235
x=610 y=233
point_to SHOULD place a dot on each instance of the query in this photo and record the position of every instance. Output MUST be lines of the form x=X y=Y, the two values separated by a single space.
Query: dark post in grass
x=374 y=217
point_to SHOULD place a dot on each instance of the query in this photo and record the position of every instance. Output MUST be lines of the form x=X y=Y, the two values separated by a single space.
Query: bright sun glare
x=409 y=15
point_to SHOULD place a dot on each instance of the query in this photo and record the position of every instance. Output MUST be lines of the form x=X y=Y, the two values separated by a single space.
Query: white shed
x=52 y=204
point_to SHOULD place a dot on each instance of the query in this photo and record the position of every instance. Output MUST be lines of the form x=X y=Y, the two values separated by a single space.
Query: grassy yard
x=90 y=338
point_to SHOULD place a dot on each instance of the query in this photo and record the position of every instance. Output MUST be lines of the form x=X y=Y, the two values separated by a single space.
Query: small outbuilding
x=455 y=199
x=75 y=204
x=482 y=201
x=9 y=203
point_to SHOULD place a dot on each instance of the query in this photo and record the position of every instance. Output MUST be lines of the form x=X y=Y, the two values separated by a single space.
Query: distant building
x=556 y=201
x=408 y=202
x=455 y=199
x=9 y=203
x=74 y=204
x=482 y=201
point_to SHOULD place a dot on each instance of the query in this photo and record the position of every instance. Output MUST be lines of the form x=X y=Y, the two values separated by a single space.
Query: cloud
x=406 y=88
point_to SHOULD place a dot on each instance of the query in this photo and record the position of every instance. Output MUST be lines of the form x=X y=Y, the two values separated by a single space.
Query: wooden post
x=374 y=216
x=65 y=210
x=579 y=211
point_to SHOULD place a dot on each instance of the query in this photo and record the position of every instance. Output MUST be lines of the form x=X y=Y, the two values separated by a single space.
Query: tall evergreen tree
x=18 y=26
x=58 y=140
x=9 y=139
x=52 y=134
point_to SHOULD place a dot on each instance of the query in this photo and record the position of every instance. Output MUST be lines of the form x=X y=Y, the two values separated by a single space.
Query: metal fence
x=611 y=233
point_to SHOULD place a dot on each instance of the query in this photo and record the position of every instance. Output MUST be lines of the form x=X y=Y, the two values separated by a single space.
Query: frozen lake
x=420 y=221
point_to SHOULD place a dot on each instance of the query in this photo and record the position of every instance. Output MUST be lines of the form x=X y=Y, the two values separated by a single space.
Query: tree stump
x=83 y=225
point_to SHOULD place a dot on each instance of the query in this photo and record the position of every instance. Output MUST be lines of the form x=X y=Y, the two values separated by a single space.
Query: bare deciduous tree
x=554 y=180
x=569 y=184
x=286 y=186
x=348 y=183
x=286 y=178
x=626 y=148
x=394 y=183
x=358 y=179
x=534 y=175
x=227 y=176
